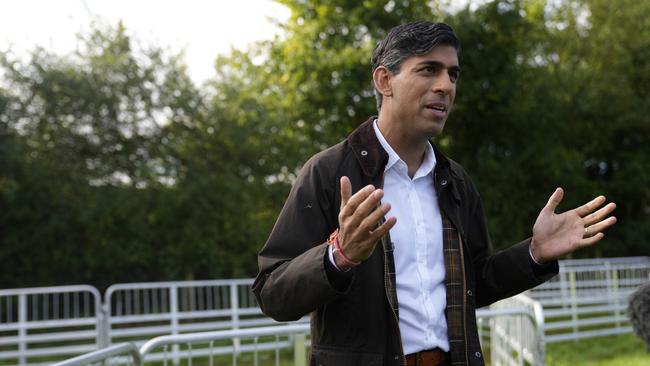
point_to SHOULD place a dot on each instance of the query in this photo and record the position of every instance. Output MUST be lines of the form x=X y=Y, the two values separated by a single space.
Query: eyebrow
x=438 y=64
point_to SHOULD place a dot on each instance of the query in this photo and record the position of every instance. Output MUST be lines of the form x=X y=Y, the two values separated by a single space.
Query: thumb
x=554 y=200
x=346 y=190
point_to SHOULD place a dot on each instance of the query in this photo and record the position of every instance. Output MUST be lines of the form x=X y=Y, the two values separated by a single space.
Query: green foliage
x=115 y=167
x=554 y=98
x=96 y=172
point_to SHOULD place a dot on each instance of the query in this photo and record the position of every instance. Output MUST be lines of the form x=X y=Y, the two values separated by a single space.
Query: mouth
x=439 y=109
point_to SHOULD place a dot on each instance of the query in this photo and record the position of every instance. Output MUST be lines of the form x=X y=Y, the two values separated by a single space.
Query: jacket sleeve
x=293 y=279
x=506 y=272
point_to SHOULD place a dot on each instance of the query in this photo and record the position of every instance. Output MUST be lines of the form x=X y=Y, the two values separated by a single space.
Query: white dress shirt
x=418 y=254
x=417 y=240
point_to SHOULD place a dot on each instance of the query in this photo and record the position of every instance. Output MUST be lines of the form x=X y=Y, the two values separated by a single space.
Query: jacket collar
x=371 y=155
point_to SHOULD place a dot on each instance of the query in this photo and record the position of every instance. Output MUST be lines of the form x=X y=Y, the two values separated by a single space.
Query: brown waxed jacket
x=352 y=322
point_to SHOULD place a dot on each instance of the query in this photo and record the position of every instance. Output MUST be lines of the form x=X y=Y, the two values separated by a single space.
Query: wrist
x=340 y=262
x=343 y=262
x=535 y=257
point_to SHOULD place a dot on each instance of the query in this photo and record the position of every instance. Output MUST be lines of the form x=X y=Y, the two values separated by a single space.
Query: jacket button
x=469 y=292
x=443 y=182
x=364 y=153
x=477 y=354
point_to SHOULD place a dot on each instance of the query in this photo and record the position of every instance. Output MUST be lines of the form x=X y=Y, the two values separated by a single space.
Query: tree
x=90 y=131
x=116 y=165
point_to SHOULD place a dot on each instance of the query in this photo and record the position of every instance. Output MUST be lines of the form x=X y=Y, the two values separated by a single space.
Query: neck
x=410 y=148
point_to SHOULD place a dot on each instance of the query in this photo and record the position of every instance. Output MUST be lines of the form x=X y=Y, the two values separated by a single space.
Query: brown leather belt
x=434 y=357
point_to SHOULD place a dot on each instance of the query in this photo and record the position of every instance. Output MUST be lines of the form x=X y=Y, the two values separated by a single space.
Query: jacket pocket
x=339 y=357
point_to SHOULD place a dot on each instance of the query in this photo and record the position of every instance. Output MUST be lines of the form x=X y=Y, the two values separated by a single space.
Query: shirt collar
x=428 y=163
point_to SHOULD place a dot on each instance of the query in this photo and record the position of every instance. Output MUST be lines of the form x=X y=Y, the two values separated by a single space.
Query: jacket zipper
x=462 y=266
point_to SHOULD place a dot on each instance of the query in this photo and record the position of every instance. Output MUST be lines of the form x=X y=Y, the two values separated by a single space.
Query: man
x=402 y=289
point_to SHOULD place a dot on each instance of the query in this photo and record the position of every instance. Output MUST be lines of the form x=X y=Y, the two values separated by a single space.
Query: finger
x=601 y=226
x=366 y=207
x=600 y=214
x=354 y=201
x=585 y=242
x=590 y=206
x=554 y=200
x=370 y=221
x=383 y=229
x=346 y=190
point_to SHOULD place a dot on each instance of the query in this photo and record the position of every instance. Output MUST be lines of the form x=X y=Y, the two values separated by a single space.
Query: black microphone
x=639 y=312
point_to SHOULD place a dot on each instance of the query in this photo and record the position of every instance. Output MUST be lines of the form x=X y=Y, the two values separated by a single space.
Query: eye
x=430 y=69
x=454 y=75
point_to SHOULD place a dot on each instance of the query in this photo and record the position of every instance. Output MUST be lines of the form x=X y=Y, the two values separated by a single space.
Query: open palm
x=556 y=235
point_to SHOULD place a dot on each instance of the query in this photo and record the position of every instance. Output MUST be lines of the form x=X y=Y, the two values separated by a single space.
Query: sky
x=203 y=29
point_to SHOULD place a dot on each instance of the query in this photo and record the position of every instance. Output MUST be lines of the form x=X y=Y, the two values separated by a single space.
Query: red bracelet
x=334 y=240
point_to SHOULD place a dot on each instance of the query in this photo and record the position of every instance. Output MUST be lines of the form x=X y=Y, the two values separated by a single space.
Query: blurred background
x=154 y=145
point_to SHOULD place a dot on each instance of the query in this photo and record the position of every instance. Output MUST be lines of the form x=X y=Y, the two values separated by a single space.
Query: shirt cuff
x=541 y=269
x=330 y=256
x=339 y=279
x=530 y=253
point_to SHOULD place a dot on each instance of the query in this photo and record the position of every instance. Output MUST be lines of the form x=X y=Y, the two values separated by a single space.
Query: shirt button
x=469 y=292
x=364 y=153
x=477 y=354
x=444 y=182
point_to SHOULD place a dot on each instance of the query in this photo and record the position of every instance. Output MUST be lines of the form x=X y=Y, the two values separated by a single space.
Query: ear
x=381 y=77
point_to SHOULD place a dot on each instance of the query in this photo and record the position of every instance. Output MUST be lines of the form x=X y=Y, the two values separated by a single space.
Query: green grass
x=621 y=350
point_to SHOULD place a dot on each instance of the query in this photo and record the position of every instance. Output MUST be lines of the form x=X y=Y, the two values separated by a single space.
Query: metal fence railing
x=588 y=297
x=42 y=325
x=254 y=341
x=517 y=340
x=264 y=344
x=207 y=347
x=137 y=311
x=123 y=353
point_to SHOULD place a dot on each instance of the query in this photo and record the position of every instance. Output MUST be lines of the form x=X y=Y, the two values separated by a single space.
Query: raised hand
x=358 y=222
x=555 y=235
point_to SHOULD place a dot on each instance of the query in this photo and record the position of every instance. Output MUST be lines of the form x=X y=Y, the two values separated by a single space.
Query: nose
x=443 y=84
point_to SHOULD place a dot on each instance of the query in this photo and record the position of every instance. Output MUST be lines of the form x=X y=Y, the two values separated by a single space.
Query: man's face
x=423 y=91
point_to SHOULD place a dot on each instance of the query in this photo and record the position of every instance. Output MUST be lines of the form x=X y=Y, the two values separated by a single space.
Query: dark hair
x=411 y=39
x=639 y=312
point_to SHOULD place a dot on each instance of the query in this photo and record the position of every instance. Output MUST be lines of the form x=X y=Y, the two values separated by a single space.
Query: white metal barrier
x=41 y=323
x=104 y=355
x=517 y=340
x=574 y=263
x=208 y=345
x=137 y=311
x=587 y=299
x=269 y=341
x=280 y=337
